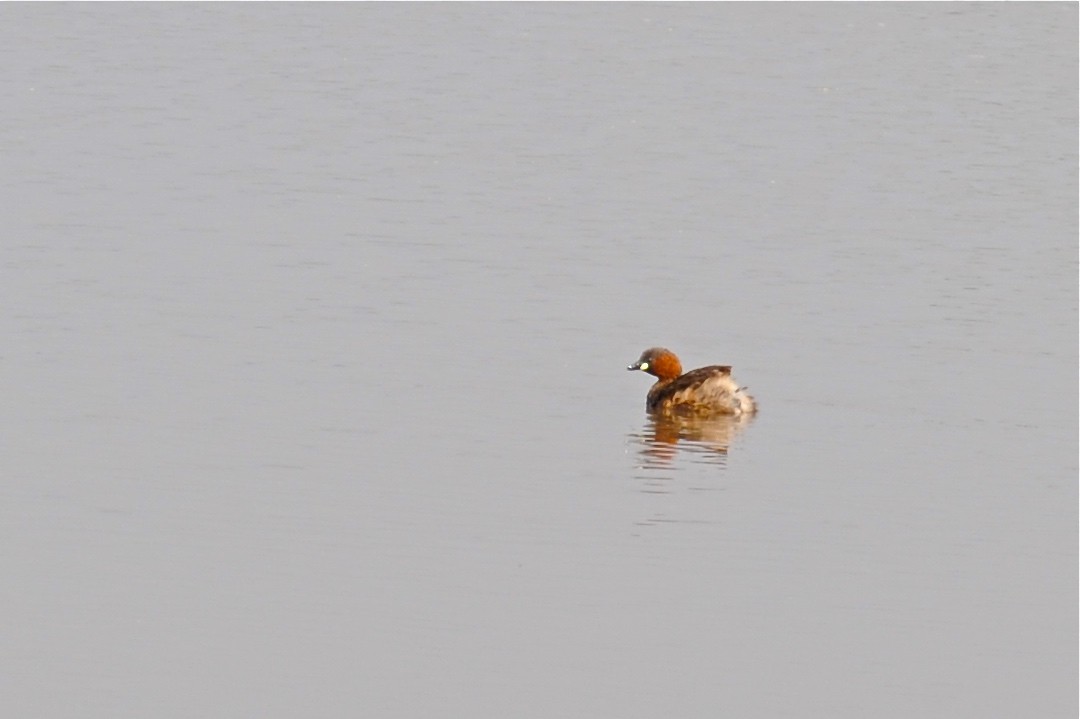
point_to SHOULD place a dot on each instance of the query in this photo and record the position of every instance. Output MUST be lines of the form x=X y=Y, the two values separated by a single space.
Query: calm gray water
x=316 y=321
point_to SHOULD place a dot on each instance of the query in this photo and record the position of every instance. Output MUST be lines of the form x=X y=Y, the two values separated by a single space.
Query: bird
x=705 y=391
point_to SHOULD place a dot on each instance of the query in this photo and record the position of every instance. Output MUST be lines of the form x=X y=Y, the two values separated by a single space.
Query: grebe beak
x=639 y=365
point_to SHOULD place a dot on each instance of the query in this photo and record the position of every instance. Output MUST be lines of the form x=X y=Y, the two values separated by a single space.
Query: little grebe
x=709 y=390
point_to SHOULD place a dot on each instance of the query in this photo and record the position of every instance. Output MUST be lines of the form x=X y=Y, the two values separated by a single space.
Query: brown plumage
x=704 y=391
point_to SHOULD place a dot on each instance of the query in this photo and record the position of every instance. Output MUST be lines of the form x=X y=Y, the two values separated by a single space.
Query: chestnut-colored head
x=659 y=362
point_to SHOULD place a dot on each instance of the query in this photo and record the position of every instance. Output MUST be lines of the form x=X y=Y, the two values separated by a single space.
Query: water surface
x=316 y=321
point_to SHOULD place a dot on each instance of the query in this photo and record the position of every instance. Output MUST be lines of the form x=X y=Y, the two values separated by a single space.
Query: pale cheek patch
x=644 y=366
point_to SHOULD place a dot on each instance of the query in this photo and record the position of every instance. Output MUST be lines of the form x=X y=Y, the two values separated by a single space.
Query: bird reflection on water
x=663 y=436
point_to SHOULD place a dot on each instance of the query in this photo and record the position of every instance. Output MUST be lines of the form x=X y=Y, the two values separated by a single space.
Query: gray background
x=315 y=323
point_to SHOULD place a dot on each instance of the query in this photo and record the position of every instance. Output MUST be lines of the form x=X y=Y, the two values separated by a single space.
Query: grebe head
x=658 y=362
